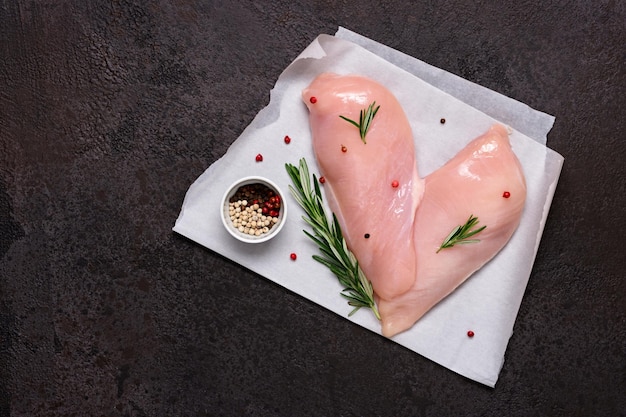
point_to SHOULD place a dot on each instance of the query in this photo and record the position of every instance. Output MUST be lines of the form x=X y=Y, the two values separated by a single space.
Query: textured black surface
x=108 y=112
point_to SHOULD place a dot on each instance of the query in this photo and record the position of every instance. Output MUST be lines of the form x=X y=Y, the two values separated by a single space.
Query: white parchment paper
x=488 y=302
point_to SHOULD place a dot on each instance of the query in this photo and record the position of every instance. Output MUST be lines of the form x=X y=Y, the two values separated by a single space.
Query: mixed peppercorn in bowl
x=253 y=209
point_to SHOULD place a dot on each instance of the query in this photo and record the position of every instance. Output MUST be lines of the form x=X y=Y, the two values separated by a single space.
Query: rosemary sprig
x=365 y=119
x=461 y=235
x=328 y=237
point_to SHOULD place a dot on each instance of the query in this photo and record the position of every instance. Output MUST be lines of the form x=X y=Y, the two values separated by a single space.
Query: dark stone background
x=109 y=110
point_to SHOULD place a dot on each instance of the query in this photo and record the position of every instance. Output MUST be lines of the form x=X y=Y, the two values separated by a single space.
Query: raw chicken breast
x=393 y=221
x=484 y=179
x=373 y=188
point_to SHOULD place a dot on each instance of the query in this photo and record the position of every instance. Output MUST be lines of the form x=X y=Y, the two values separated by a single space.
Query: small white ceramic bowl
x=228 y=223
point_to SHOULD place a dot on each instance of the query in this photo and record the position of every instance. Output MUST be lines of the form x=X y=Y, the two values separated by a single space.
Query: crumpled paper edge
x=535 y=124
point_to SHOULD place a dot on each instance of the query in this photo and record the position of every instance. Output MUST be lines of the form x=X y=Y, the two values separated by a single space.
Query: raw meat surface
x=393 y=221
x=473 y=182
x=360 y=178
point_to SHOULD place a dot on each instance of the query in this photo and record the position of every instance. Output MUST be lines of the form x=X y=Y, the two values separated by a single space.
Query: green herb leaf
x=365 y=119
x=327 y=234
x=461 y=235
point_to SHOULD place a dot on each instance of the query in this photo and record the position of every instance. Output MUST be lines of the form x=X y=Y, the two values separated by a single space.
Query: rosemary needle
x=329 y=238
x=365 y=119
x=461 y=234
